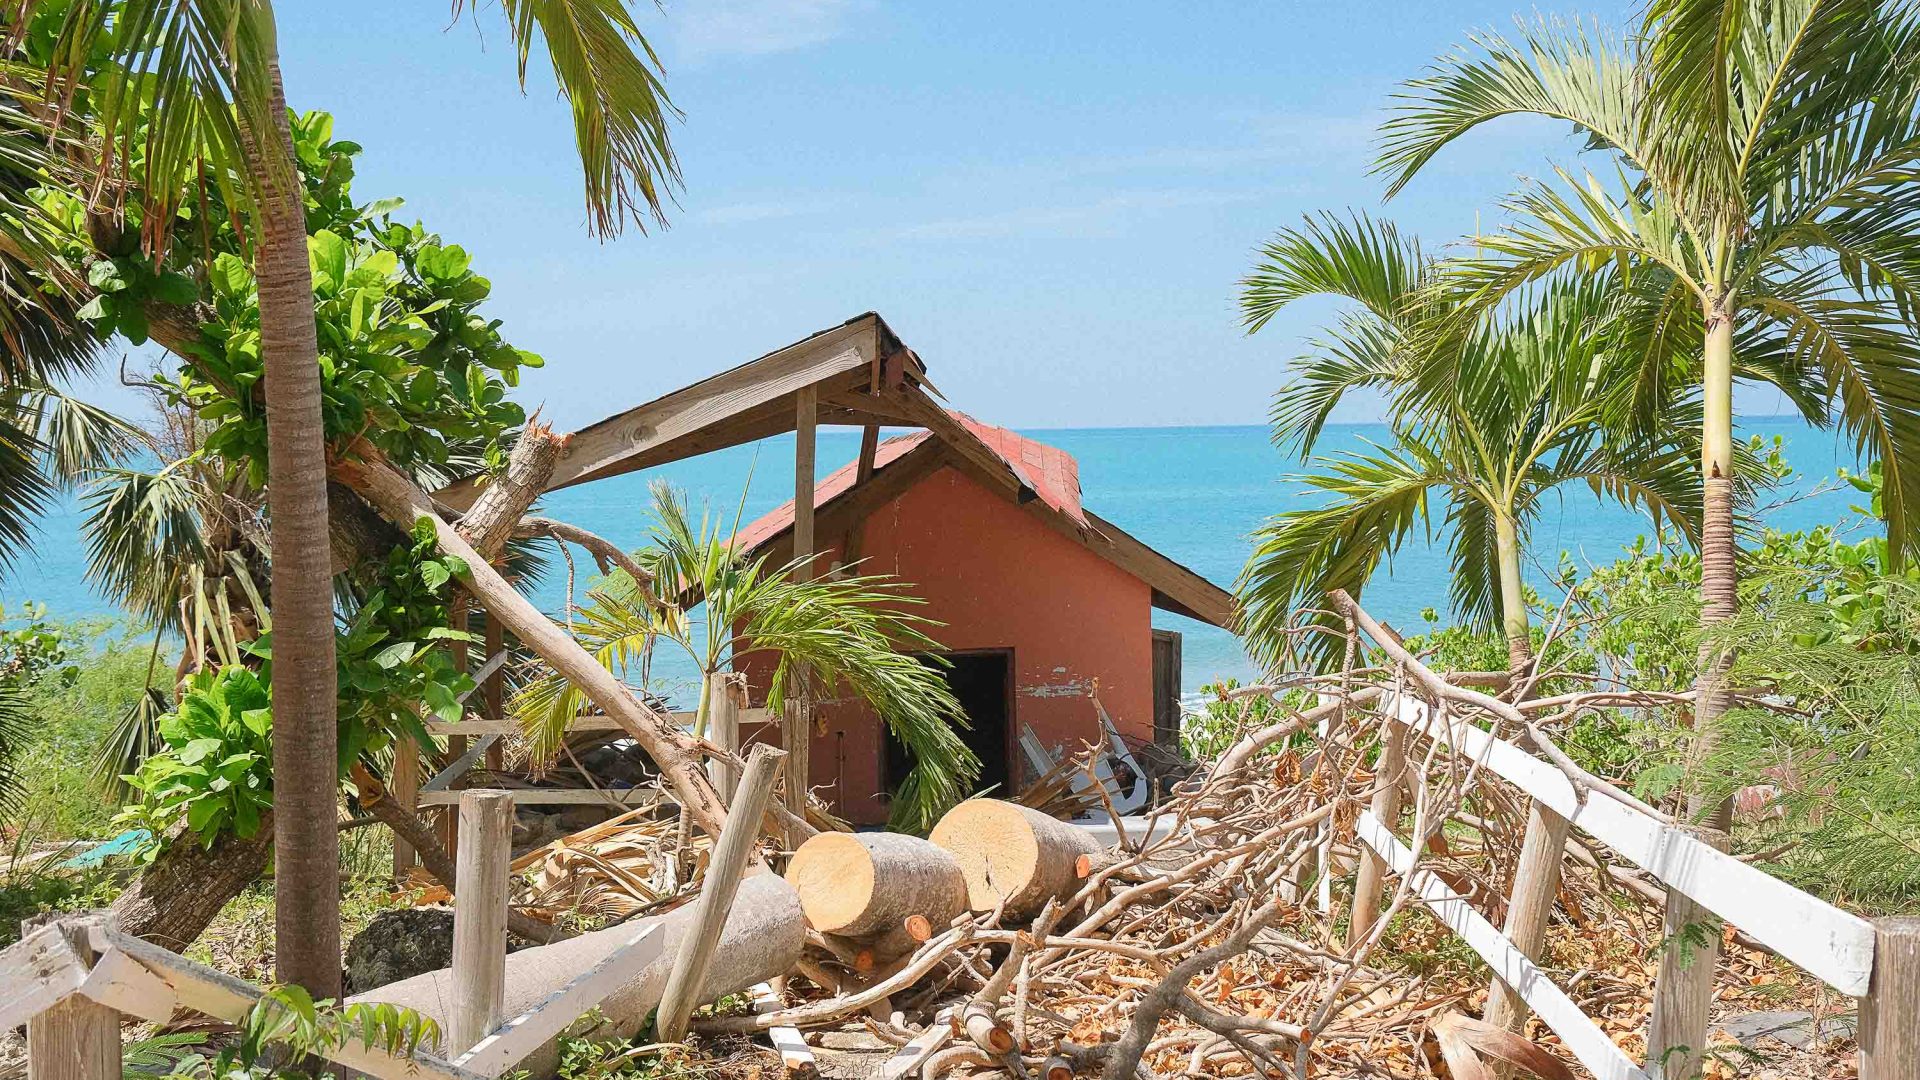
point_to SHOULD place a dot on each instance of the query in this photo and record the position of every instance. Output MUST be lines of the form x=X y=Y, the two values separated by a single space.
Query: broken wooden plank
x=907 y=1060
x=795 y=1055
x=36 y=973
x=760 y=715
x=510 y=1043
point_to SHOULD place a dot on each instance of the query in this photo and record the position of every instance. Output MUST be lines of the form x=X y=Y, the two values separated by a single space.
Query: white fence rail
x=1877 y=963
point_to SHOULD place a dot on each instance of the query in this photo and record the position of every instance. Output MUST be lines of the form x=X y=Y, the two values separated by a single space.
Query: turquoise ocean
x=1195 y=493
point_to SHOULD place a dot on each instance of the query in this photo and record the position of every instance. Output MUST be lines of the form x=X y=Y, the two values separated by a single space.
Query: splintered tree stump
x=1013 y=854
x=855 y=885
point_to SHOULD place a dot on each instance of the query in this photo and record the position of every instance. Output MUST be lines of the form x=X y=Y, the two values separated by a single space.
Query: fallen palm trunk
x=761 y=939
x=677 y=754
x=1014 y=857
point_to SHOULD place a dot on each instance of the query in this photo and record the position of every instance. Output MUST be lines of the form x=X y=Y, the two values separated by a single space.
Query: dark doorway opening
x=983 y=681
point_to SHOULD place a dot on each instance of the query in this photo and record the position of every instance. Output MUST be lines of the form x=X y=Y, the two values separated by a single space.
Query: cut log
x=1013 y=855
x=762 y=939
x=857 y=884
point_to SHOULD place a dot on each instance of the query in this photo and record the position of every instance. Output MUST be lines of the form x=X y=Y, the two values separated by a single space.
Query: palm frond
x=1371 y=504
x=143 y=533
x=610 y=76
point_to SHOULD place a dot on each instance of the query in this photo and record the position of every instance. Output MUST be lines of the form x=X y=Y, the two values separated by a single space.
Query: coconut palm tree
x=185 y=82
x=1754 y=205
x=1523 y=415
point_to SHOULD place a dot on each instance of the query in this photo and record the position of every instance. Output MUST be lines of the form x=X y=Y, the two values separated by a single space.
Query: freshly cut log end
x=1013 y=854
x=857 y=884
x=919 y=928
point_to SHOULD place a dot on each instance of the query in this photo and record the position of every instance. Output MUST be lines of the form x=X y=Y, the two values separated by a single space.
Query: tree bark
x=173 y=900
x=306 y=787
x=1719 y=550
x=491 y=520
x=401 y=501
x=1513 y=597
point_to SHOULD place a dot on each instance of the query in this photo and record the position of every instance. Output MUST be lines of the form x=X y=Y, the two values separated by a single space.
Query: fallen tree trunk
x=491 y=520
x=762 y=939
x=858 y=884
x=1013 y=855
x=677 y=754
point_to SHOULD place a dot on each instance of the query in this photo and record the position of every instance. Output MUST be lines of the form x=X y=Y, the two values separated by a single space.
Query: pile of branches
x=1217 y=939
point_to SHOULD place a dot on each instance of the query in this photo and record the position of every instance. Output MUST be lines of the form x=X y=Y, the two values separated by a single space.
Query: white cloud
x=708 y=28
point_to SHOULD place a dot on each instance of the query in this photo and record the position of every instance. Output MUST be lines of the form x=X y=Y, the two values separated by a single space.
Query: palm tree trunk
x=1719 y=578
x=305 y=781
x=1513 y=599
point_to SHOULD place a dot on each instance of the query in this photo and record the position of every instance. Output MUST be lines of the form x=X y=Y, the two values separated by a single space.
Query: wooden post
x=726 y=695
x=492 y=693
x=796 y=730
x=457 y=619
x=1386 y=806
x=806 y=406
x=404 y=790
x=730 y=855
x=480 y=916
x=78 y=1039
x=1890 y=1013
x=1536 y=885
x=1683 y=991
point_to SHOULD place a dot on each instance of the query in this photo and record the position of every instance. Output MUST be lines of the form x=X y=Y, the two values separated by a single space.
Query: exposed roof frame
x=742 y=404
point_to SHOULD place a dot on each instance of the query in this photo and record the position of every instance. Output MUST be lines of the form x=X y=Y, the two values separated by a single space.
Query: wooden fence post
x=730 y=855
x=1536 y=885
x=726 y=693
x=78 y=1039
x=480 y=916
x=1890 y=1013
x=1683 y=991
x=1386 y=806
x=405 y=790
x=797 y=734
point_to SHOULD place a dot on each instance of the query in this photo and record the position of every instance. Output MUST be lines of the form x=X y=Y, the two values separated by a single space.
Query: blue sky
x=1050 y=201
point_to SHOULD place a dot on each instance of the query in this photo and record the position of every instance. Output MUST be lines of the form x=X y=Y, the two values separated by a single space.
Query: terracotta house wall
x=1000 y=579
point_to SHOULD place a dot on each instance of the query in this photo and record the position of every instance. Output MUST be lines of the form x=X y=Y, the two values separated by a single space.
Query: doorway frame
x=1010 y=738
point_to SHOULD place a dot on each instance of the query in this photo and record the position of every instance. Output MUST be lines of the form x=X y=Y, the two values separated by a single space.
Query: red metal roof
x=1051 y=472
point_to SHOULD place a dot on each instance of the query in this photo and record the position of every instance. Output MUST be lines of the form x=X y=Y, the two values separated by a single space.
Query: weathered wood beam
x=615 y=444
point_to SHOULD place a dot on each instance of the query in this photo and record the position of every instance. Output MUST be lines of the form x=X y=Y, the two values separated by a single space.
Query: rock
x=399 y=944
x=1793 y=1027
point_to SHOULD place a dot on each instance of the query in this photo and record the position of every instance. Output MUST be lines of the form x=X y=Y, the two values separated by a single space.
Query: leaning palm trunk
x=305 y=784
x=186 y=885
x=1719 y=575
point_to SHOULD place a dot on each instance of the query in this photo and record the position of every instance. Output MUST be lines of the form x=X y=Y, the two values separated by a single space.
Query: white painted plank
x=1832 y=944
x=1578 y=1033
x=219 y=995
x=124 y=985
x=36 y=973
x=508 y=1044
x=794 y=1052
x=907 y=1060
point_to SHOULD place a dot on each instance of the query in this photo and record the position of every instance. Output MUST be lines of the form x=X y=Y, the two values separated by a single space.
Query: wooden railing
x=1876 y=962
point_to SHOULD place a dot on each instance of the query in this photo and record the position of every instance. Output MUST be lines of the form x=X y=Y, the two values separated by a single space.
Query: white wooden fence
x=1877 y=963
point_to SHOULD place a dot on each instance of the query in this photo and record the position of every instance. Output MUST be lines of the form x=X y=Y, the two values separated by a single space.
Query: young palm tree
x=1759 y=214
x=200 y=80
x=1522 y=415
x=859 y=631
